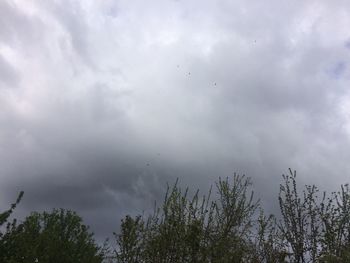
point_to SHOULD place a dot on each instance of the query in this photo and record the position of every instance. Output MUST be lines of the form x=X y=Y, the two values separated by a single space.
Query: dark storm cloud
x=116 y=99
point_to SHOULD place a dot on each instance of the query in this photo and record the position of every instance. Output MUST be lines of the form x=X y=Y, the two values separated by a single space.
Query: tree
x=58 y=236
x=193 y=229
x=300 y=224
x=269 y=242
x=226 y=227
x=216 y=228
x=334 y=214
x=5 y=215
x=315 y=229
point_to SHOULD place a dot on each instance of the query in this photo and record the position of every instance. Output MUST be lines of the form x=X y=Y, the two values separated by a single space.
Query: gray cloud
x=114 y=99
x=8 y=75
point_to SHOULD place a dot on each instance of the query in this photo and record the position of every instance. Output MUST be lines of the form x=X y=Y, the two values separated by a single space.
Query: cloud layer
x=102 y=103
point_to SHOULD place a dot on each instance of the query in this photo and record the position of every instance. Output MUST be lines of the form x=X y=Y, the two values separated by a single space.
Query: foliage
x=229 y=229
x=225 y=225
x=5 y=215
x=315 y=229
x=58 y=236
x=269 y=241
x=193 y=229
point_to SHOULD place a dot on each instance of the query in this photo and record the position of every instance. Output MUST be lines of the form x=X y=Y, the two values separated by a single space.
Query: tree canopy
x=57 y=236
x=227 y=224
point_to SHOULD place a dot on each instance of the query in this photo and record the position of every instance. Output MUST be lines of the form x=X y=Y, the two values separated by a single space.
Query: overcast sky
x=103 y=102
